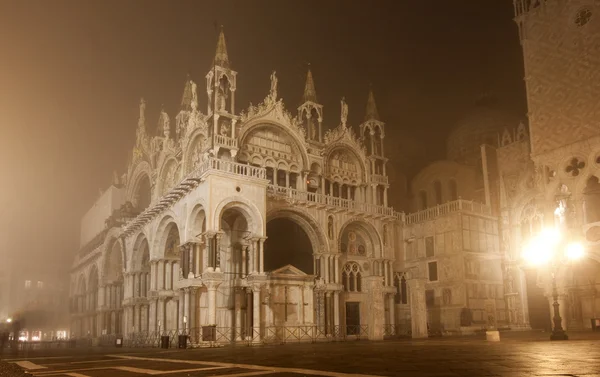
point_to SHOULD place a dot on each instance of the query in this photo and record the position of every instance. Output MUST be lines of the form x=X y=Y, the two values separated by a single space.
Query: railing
x=378 y=178
x=446 y=208
x=313 y=197
x=396 y=331
x=226 y=141
x=251 y=336
x=231 y=167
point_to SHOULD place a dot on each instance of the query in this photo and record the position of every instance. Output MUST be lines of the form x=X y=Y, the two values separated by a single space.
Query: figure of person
x=274 y=85
x=344 y=111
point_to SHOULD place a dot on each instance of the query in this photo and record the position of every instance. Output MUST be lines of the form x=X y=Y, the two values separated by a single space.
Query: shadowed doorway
x=287 y=243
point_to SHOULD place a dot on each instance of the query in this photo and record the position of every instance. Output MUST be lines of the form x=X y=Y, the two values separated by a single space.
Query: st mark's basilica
x=263 y=224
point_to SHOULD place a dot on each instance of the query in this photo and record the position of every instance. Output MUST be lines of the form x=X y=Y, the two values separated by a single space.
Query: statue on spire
x=165 y=123
x=142 y=118
x=273 y=86
x=344 y=111
x=194 y=103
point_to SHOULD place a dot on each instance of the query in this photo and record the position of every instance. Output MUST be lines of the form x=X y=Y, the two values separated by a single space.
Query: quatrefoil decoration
x=575 y=166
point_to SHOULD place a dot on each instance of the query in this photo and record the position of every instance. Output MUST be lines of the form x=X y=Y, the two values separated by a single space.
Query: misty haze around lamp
x=553 y=248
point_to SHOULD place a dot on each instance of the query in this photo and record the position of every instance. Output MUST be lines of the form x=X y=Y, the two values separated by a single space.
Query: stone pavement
x=517 y=354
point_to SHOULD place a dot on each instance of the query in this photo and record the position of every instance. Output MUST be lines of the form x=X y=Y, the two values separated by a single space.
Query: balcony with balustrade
x=459 y=205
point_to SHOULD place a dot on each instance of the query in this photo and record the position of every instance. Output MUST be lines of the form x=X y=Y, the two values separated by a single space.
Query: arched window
x=351 y=277
x=453 y=190
x=423 y=199
x=437 y=188
x=403 y=291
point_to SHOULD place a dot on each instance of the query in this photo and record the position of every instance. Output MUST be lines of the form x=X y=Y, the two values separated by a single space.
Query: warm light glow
x=574 y=251
x=9 y=320
x=541 y=248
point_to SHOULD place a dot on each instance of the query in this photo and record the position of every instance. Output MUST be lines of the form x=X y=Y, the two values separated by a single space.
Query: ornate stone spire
x=371 y=113
x=142 y=117
x=310 y=94
x=188 y=95
x=221 y=57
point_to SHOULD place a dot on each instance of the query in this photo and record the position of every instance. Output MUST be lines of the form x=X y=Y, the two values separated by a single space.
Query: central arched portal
x=288 y=243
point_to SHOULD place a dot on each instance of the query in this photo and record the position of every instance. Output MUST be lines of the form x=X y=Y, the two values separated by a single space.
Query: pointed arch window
x=437 y=188
x=352 y=277
x=423 y=199
x=453 y=189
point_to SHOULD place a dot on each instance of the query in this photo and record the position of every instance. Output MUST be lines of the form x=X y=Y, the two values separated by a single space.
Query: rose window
x=575 y=166
x=583 y=17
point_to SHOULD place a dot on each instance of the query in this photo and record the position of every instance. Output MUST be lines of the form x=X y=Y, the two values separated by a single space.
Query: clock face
x=583 y=17
x=313 y=182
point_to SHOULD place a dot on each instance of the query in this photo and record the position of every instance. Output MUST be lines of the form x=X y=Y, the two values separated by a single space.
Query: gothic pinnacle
x=371 y=113
x=310 y=94
x=221 y=57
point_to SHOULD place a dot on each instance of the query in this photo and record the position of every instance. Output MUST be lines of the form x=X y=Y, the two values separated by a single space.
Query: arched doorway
x=288 y=243
x=113 y=279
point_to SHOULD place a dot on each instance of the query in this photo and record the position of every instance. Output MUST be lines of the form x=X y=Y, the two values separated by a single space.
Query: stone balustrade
x=225 y=141
x=316 y=198
x=446 y=208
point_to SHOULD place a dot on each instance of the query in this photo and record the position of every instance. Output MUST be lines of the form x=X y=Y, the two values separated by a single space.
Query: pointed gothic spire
x=310 y=94
x=221 y=57
x=371 y=113
x=186 y=100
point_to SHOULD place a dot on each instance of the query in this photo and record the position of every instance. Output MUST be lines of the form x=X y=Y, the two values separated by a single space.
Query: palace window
x=423 y=200
x=429 y=248
x=40 y=284
x=480 y=235
x=433 y=271
x=430 y=298
x=400 y=297
x=27 y=283
x=351 y=277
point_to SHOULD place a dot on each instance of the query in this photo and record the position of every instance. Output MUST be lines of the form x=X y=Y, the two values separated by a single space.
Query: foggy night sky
x=72 y=74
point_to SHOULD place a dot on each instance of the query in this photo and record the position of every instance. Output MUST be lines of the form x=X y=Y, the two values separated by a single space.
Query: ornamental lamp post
x=552 y=248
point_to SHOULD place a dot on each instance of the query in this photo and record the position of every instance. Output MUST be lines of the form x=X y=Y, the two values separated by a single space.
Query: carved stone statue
x=330 y=228
x=313 y=128
x=142 y=118
x=194 y=103
x=165 y=123
x=222 y=94
x=274 y=85
x=344 y=116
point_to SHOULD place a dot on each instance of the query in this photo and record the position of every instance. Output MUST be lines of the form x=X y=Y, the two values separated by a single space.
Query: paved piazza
x=528 y=354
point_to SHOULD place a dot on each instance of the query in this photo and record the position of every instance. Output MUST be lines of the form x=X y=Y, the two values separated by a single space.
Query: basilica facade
x=259 y=224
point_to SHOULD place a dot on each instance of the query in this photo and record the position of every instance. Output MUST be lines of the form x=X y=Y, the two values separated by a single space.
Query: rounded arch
x=140 y=252
x=137 y=189
x=246 y=207
x=93 y=278
x=257 y=124
x=192 y=157
x=81 y=285
x=332 y=152
x=114 y=261
x=311 y=227
x=373 y=236
x=166 y=226
x=196 y=221
x=168 y=175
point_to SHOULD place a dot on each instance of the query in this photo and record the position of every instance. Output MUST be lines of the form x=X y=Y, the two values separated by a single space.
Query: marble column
x=160 y=282
x=336 y=310
x=212 y=302
x=418 y=308
x=256 y=312
x=392 y=311
x=186 y=305
x=238 y=312
x=261 y=255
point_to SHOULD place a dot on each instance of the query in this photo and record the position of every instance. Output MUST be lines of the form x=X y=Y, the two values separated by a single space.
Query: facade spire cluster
x=310 y=94
x=221 y=56
x=371 y=113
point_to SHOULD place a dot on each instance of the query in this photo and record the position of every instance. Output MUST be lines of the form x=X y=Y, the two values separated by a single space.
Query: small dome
x=480 y=126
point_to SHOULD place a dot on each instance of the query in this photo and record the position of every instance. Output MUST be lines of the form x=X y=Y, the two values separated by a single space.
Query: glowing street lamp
x=551 y=248
x=9 y=320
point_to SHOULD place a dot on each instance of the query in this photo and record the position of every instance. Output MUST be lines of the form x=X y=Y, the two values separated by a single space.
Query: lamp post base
x=559 y=335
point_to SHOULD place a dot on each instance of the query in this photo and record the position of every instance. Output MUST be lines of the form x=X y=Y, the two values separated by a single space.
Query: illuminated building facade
x=259 y=221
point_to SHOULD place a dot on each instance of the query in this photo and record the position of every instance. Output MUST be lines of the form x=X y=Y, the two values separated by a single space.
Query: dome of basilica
x=481 y=125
